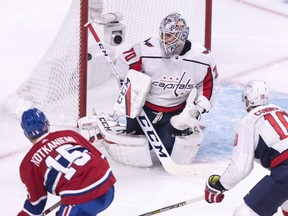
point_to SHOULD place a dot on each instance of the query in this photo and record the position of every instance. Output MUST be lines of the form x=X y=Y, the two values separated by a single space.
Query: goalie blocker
x=134 y=149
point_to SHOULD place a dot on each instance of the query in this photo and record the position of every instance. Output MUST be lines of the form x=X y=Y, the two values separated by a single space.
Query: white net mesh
x=53 y=85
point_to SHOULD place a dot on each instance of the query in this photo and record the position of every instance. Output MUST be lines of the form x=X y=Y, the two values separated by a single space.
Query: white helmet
x=255 y=93
x=173 y=32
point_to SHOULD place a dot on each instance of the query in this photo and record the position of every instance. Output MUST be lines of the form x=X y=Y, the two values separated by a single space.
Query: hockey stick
x=176 y=205
x=169 y=165
x=102 y=48
x=47 y=211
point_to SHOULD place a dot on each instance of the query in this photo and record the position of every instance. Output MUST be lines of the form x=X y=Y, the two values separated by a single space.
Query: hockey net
x=58 y=85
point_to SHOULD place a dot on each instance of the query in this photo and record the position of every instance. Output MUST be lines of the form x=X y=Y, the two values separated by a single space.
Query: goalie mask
x=173 y=32
x=255 y=93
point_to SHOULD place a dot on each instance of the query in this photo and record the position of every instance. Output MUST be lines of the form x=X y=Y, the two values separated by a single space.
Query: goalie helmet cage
x=58 y=85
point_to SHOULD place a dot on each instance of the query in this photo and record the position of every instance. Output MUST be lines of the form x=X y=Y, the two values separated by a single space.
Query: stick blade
x=199 y=169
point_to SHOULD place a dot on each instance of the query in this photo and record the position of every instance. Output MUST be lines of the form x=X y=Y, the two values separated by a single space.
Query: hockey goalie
x=167 y=83
x=133 y=148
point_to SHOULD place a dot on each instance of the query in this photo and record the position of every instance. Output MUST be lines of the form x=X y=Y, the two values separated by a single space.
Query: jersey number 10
x=279 y=122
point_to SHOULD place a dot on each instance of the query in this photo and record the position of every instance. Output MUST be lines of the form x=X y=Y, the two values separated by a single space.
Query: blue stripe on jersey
x=35 y=209
x=96 y=186
x=53 y=173
x=51 y=177
x=77 y=148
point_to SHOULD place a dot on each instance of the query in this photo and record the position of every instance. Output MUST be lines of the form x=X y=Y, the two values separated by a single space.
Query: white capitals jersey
x=261 y=136
x=173 y=77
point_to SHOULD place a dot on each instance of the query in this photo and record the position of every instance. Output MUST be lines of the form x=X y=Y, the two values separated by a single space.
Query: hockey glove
x=214 y=190
x=188 y=118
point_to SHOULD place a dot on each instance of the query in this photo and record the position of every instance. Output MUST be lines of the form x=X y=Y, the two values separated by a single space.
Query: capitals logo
x=177 y=85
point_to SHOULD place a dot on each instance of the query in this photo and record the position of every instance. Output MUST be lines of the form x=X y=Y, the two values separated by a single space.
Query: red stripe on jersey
x=164 y=109
x=137 y=65
x=278 y=160
x=208 y=84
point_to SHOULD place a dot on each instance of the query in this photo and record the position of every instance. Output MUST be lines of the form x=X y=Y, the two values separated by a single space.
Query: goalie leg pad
x=126 y=149
x=136 y=154
x=186 y=147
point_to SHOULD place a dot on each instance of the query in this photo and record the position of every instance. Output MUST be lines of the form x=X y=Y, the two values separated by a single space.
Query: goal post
x=83 y=59
x=58 y=83
x=208 y=24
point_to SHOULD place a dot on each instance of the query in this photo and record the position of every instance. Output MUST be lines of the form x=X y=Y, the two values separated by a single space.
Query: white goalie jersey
x=261 y=136
x=172 y=78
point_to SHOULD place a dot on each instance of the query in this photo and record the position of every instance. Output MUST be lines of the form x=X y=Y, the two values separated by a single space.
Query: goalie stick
x=169 y=165
x=102 y=48
x=173 y=206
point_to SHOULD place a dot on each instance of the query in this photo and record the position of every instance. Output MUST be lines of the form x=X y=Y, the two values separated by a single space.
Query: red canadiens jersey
x=64 y=163
x=172 y=78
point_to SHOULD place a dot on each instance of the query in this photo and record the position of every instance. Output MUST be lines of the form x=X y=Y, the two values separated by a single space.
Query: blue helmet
x=34 y=123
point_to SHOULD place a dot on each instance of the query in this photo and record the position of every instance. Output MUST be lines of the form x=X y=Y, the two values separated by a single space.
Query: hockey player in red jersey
x=65 y=164
x=184 y=84
x=261 y=135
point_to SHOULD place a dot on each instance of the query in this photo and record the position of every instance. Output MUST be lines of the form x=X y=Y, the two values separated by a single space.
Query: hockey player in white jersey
x=261 y=135
x=184 y=85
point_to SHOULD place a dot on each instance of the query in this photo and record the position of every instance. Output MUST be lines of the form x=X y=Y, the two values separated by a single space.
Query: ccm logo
x=105 y=124
x=86 y=124
x=123 y=90
x=152 y=135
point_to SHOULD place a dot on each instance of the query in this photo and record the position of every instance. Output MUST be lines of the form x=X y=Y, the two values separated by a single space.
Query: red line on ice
x=13 y=153
x=269 y=64
x=263 y=8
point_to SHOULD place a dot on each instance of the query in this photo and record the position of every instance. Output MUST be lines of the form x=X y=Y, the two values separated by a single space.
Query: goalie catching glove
x=190 y=115
x=214 y=190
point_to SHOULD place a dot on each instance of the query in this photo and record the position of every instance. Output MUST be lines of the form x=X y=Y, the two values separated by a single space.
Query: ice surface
x=249 y=42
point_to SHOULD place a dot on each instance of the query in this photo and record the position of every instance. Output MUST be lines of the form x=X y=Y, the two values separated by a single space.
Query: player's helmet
x=173 y=32
x=34 y=123
x=255 y=93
